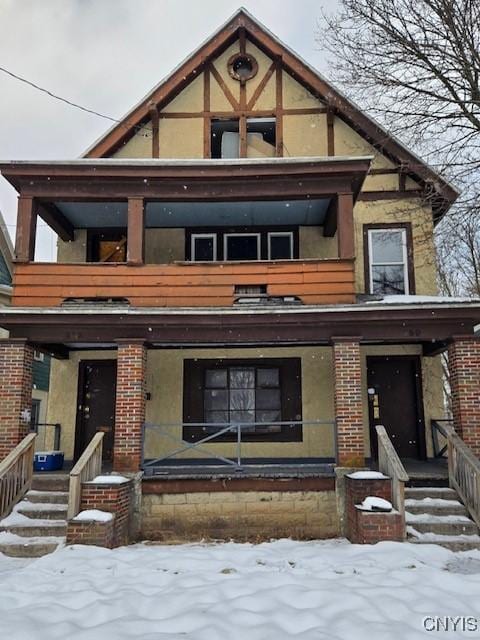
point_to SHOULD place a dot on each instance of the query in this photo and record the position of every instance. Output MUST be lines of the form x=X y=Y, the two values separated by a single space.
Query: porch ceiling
x=199 y=214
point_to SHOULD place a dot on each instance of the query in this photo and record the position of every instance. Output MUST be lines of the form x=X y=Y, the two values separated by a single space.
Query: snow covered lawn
x=284 y=589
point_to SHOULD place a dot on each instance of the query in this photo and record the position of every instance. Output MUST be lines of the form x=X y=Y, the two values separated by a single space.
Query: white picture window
x=204 y=247
x=241 y=246
x=280 y=245
x=388 y=261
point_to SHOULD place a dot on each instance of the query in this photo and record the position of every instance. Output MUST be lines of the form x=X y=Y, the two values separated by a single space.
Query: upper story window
x=388 y=260
x=204 y=247
x=280 y=245
x=260 y=138
x=241 y=244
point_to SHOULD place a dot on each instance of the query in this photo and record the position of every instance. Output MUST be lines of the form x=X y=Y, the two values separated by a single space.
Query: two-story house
x=245 y=285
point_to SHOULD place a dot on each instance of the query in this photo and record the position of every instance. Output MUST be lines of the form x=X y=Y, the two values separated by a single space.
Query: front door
x=395 y=401
x=96 y=404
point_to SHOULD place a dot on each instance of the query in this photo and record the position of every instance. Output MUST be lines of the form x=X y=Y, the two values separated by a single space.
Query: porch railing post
x=239 y=445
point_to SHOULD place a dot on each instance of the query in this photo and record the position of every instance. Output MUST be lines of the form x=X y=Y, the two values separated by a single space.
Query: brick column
x=464 y=368
x=348 y=402
x=16 y=358
x=130 y=405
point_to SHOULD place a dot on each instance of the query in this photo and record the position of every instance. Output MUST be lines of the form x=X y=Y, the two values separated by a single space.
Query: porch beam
x=55 y=219
x=136 y=231
x=345 y=230
x=26 y=230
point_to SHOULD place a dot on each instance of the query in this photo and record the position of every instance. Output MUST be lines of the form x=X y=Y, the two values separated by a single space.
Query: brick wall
x=348 y=403
x=368 y=527
x=464 y=368
x=114 y=498
x=130 y=406
x=100 y=534
x=16 y=358
x=239 y=515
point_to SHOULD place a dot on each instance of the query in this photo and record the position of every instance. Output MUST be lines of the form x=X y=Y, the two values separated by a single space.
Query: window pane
x=216 y=378
x=268 y=416
x=242 y=378
x=217 y=417
x=242 y=416
x=268 y=399
x=280 y=247
x=216 y=399
x=242 y=247
x=242 y=399
x=388 y=280
x=268 y=377
x=204 y=250
x=387 y=246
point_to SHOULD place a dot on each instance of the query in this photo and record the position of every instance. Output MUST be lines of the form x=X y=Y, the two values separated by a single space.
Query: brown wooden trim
x=242 y=37
x=221 y=82
x=330 y=132
x=345 y=226
x=55 y=219
x=136 y=231
x=419 y=399
x=304 y=112
x=26 y=230
x=236 y=113
x=369 y=196
x=154 y=486
x=207 y=122
x=242 y=129
x=410 y=251
x=331 y=216
x=402 y=181
x=279 y=107
x=155 y=130
x=261 y=86
x=383 y=172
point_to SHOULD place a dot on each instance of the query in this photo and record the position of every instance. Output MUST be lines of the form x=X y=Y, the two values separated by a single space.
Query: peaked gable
x=282 y=83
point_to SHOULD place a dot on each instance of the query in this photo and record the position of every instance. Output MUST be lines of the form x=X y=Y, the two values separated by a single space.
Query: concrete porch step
x=454 y=543
x=418 y=493
x=436 y=507
x=43 y=511
x=28 y=550
x=50 y=481
x=53 y=497
x=38 y=529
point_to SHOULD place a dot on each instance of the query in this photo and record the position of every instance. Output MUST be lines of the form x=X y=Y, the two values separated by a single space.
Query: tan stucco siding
x=267 y=98
x=350 y=143
x=190 y=100
x=74 y=251
x=296 y=96
x=313 y=244
x=399 y=211
x=163 y=246
x=139 y=146
x=182 y=138
x=220 y=65
x=305 y=135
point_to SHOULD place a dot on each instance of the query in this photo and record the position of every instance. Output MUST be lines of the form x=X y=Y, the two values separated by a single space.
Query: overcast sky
x=106 y=55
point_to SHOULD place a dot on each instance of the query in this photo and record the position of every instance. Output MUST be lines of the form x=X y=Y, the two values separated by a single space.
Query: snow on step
x=435 y=506
x=429 y=517
x=430 y=492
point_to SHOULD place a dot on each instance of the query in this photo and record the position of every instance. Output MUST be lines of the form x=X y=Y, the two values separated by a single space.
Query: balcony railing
x=183 y=284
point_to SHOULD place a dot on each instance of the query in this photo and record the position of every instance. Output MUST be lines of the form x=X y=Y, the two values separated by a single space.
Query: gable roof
x=441 y=193
x=6 y=254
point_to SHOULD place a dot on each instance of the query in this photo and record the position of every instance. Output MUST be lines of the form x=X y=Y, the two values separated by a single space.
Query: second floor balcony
x=188 y=233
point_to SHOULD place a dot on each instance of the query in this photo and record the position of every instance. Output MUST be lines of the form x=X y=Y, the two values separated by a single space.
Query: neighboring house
x=6 y=269
x=227 y=256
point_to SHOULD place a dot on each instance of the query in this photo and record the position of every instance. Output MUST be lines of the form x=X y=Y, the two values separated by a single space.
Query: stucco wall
x=74 y=251
x=163 y=246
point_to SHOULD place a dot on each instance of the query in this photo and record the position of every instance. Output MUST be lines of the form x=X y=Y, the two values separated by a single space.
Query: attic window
x=242 y=67
x=225 y=139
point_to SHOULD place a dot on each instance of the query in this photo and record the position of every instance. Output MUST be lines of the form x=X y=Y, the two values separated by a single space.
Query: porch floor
x=223 y=471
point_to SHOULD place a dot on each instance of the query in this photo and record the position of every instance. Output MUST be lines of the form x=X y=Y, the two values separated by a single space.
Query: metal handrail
x=222 y=429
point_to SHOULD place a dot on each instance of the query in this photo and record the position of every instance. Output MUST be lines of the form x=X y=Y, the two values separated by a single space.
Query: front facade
x=245 y=284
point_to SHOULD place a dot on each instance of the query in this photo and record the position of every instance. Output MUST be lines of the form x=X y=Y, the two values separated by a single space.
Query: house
x=245 y=287
x=6 y=259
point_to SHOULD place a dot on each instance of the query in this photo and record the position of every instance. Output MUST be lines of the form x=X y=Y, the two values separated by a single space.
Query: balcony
x=183 y=284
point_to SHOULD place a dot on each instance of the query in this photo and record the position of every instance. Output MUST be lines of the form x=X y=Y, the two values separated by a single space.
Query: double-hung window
x=204 y=247
x=388 y=261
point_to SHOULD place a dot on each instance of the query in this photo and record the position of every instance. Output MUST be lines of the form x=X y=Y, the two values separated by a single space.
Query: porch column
x=136 y=231
x=26 y=230
x=348 y=402
x=130 y=405
x=16 y=359
x=345 y=228
x=464 y=369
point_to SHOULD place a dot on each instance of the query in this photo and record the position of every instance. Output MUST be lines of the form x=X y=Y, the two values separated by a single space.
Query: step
x=435 y=506
x=55 y=497
x=50 y=481
x=39 y=528
x=418 y=493
x=44 y=511
x=443 y=526
x=28 y=550
x=457 y=543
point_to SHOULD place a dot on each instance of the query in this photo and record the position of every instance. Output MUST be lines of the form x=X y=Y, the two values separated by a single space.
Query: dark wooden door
x=395 y=400
x=96 y=404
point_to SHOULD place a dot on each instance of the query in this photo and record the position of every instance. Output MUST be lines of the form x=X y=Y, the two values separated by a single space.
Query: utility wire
x=64 y=100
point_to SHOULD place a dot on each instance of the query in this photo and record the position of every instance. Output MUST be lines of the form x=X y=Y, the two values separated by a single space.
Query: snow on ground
x=328 y=590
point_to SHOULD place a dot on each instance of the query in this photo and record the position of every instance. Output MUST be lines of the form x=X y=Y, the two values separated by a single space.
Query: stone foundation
x=239 y=515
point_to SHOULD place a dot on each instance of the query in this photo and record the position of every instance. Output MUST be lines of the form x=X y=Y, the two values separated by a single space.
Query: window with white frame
x=280 y=245
x=388 y=261
x=241 y=246
x=204 y=247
